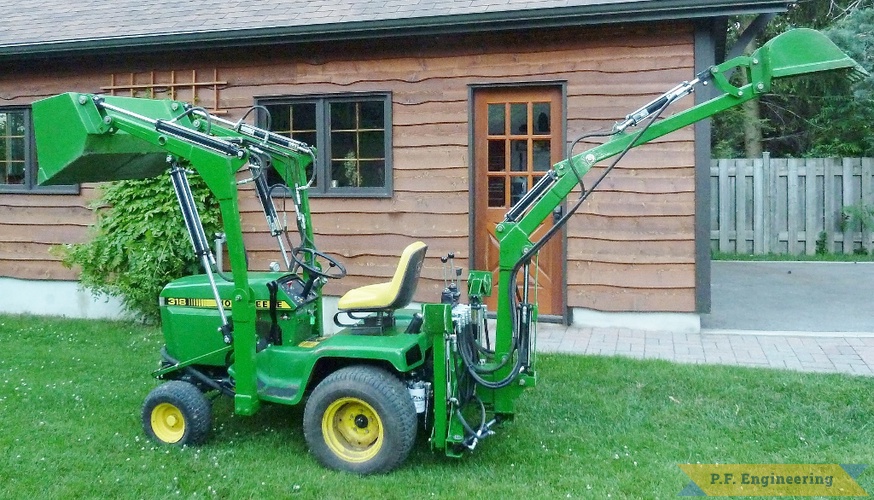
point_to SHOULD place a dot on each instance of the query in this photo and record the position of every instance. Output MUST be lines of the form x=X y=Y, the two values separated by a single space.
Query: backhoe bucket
x=801 y=51
x=75 y=145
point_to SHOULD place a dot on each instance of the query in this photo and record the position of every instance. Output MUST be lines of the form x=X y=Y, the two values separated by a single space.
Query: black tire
x=360 y=419
x=177 y=413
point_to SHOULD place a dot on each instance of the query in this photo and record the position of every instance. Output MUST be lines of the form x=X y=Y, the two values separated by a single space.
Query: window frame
x=322 y=164
x=31 y=163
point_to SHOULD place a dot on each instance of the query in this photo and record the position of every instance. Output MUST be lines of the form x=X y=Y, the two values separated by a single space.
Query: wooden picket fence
x=789 y=206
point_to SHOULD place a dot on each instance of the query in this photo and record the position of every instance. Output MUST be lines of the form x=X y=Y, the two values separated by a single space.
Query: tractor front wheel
x=360 y=419
x=177 y=413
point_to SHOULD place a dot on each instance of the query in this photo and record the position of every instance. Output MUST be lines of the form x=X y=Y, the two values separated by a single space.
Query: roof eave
x=436 y=25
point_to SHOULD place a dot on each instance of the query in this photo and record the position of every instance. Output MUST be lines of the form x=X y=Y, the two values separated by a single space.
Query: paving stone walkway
x=851 y=353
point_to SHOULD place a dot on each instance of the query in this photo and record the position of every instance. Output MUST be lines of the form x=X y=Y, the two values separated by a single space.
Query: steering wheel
x=314 y=255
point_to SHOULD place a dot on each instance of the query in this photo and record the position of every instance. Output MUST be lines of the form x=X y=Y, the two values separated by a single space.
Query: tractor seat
x=391 y=295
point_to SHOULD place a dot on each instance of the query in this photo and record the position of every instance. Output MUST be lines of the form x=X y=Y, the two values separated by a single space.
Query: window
x=352 y=136
x=18 y=166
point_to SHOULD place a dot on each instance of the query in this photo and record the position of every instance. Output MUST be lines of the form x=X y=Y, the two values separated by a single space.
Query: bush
x=139 y=243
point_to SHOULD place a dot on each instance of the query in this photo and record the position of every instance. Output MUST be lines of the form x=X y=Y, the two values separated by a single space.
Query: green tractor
x=390 y=370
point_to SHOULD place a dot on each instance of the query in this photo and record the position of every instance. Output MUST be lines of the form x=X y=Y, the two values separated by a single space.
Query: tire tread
x=194 y=406
x=364 y=381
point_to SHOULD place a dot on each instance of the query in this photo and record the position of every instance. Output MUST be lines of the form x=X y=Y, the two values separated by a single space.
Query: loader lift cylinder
x=198 y=238
x=269 y=209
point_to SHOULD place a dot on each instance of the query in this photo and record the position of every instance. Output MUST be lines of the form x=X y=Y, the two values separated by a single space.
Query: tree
x=814 y=115
x=843 y=125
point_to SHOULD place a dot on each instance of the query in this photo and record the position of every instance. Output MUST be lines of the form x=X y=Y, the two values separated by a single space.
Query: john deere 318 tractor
x=259 y=337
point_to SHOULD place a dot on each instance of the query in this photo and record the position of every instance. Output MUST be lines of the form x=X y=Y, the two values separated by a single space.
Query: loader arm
x=90 y=138
x=796 y=52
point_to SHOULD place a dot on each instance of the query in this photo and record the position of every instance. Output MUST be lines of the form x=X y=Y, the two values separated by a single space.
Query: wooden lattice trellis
x=170 y=84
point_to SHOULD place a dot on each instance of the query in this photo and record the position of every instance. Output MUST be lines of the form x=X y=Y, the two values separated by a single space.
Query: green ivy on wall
x=139 y=242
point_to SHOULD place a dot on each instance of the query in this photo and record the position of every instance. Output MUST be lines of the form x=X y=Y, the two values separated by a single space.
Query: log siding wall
x=631 y=248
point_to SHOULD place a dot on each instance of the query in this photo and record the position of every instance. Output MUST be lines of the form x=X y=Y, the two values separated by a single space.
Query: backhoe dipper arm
x=793 y=53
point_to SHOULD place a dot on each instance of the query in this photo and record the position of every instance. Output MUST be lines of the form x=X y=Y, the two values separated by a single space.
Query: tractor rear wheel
x=177 y=413
x=360 y=419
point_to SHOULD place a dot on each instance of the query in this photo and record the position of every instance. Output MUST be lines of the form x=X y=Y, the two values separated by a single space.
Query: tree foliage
x=139 y=242
x=814 y=115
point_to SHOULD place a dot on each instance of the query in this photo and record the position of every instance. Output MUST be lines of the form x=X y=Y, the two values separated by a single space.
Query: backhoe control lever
x=275 y=336
x=451 y=294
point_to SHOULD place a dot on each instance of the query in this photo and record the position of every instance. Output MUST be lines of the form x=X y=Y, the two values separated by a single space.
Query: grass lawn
x=595 y=427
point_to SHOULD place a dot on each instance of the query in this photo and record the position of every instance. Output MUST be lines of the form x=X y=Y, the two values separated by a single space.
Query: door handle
x=557 y=214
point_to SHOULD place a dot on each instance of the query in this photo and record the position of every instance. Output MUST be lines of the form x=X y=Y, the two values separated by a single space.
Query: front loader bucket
x=74 y=144
x=801 y=51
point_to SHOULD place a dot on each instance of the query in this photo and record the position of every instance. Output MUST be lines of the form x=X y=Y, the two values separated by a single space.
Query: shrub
x=139 y=242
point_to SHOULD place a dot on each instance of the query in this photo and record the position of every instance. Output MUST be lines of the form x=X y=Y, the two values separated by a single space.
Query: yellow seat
x=394 y=294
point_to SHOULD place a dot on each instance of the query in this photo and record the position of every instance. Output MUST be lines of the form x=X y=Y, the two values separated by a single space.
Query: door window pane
x=542 y=155
x=497 y=119
x=497 y=160
x=518 y=188
x=519 y=155
x=541 y=120
x=497 y=192
x=519 y=118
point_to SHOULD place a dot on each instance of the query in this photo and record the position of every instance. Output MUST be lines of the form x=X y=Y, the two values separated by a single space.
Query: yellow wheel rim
x=353 y=430
x=168 y=423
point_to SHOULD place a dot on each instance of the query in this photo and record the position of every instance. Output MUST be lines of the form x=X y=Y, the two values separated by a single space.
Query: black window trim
x=323 y=143
x=31 y=164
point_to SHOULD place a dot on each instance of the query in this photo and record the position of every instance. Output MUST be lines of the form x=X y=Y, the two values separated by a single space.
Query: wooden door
x=517 y=137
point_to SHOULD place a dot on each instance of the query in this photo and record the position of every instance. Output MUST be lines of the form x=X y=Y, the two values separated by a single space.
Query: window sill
x=17 y=189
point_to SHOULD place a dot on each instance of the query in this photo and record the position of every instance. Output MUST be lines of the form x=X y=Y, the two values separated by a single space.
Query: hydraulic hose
x=470 y=361
x=512 y=286
x=468 y=347
x=202 y=112
x=464 y=423
x=585 y=193
x=254 y=108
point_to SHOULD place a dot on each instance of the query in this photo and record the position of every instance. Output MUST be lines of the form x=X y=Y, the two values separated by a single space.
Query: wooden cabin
x=432 y=118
